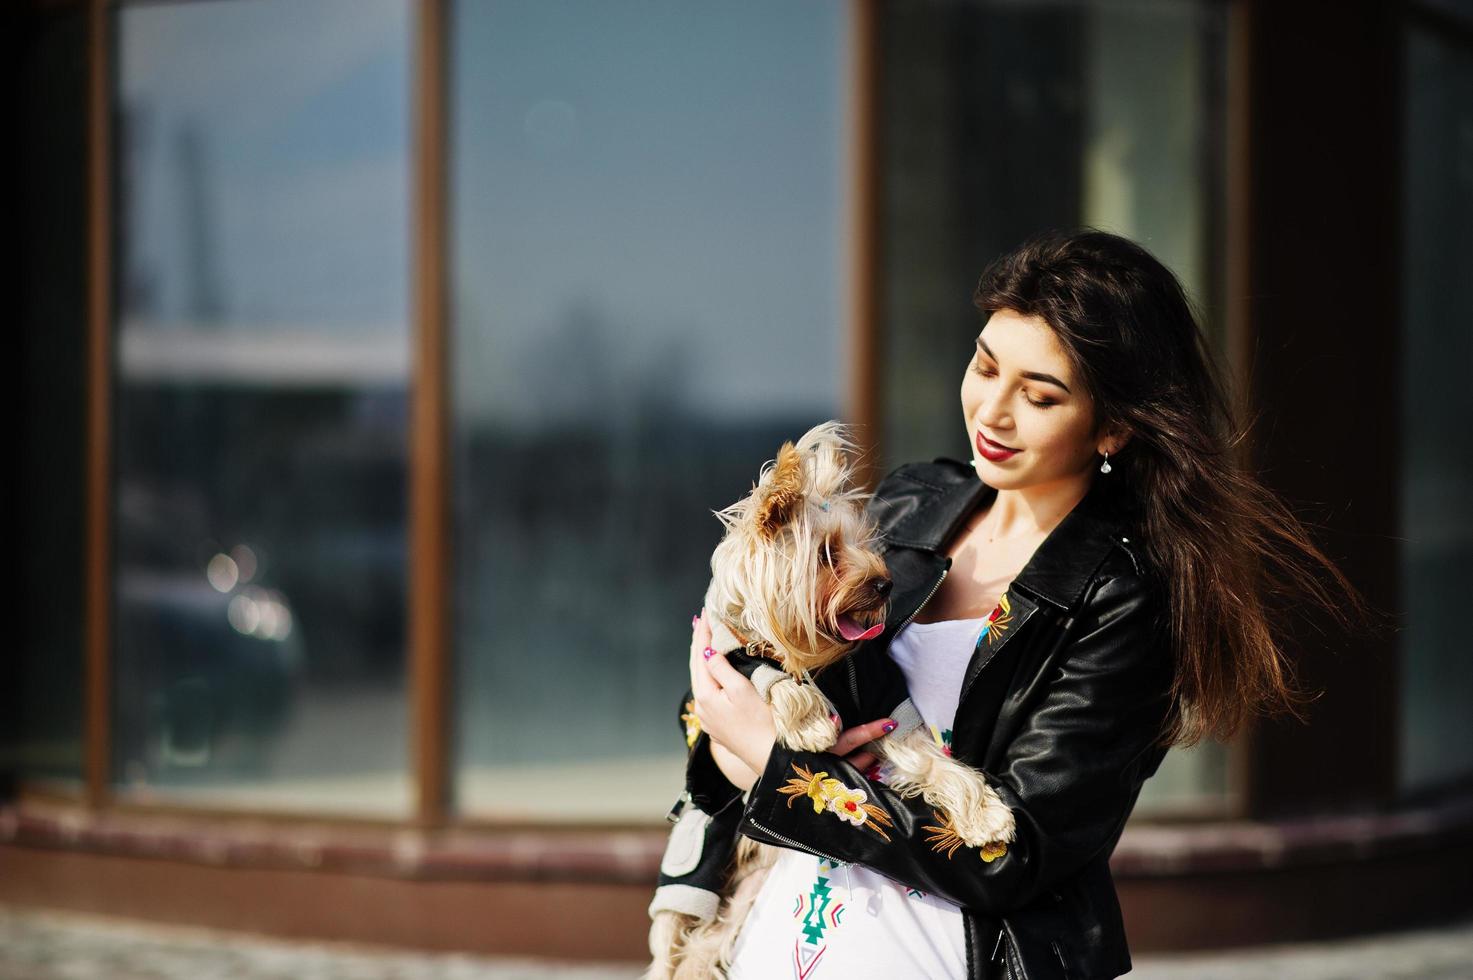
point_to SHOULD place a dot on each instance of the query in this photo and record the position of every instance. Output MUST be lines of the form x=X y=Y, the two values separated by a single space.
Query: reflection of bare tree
x=585 y=538
x=205 y=302
x=587 y=369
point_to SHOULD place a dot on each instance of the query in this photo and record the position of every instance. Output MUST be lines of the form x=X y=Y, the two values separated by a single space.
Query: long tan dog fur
x=796 y=570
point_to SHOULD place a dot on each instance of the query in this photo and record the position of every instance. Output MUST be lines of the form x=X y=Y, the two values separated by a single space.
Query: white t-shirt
x=812 y=920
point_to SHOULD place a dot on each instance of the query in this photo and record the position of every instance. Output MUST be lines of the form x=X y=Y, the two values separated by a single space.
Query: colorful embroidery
x=819 y=911
x=915 y=893
x=945 y=839
x=942 y=738
x=832 y=795
x=692 y=724
x=1000 y=621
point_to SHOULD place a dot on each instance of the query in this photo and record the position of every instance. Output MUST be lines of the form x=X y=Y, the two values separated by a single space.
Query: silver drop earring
x=1105 y=466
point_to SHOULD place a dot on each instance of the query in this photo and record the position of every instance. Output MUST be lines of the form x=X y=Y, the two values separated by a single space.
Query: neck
x=1034 y=510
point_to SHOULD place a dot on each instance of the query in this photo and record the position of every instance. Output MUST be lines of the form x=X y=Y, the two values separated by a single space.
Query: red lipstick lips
x=992 y=451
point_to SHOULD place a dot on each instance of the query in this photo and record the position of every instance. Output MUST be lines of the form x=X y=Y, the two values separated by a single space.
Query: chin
x=996 y=477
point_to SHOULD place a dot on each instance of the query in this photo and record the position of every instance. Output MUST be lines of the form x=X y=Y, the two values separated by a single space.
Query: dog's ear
x=785 y=490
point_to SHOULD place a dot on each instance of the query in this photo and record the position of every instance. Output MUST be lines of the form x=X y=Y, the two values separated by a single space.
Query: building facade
x=380 y=363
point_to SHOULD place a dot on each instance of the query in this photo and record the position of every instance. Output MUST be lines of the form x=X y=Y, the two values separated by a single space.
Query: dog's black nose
x=882 y=587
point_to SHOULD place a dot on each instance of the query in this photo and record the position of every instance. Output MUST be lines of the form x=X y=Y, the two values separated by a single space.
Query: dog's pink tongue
x=853 y=632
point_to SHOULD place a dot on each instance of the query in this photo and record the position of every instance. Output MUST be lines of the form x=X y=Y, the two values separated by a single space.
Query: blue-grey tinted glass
x=262 y=354
x=647 y=284
x=1020 y=117
x=1434 y=437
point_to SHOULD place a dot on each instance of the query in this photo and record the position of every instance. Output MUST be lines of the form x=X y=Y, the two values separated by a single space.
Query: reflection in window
x=260 y=411
x=646 y=204
x=1436 y=441
x=1002 y=120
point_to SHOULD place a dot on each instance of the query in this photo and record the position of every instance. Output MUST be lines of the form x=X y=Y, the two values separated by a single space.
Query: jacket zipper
x=794 y=844
x=917 y=611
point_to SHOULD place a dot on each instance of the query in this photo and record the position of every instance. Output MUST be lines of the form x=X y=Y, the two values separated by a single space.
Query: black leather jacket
x=1061 y=712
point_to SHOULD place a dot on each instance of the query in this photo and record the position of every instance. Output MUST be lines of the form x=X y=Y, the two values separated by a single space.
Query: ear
x=784 y=491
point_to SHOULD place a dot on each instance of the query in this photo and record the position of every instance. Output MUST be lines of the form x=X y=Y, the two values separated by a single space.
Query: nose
x=990 y=411
x=881 y=587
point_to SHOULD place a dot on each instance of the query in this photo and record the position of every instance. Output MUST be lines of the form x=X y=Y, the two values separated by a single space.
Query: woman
x=1085 y=593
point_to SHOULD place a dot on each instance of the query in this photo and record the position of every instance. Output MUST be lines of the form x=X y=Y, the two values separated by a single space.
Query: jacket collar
x=1062 y=565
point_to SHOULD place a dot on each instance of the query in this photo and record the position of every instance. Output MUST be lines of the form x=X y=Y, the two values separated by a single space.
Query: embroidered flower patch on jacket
x=692 y=724
x=832 y=795
x=1000 y=621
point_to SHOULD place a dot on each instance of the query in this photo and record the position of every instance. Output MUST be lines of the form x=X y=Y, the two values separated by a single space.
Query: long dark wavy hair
x=1218 y=540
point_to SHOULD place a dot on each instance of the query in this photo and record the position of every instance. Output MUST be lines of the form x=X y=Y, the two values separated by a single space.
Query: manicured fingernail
x=888 y=727
x=834 y=717
x=708 y=653
x=695 y=619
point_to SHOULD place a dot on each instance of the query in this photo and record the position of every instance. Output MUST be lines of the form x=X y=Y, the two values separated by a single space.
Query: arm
x=1070 y=775
x=732 y=769
x=699 y=851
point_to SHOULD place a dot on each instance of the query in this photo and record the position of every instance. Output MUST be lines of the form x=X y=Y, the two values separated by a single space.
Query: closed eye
x=977 y=368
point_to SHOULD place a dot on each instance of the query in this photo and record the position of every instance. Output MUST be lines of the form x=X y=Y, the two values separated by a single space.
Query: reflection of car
x=209 y=672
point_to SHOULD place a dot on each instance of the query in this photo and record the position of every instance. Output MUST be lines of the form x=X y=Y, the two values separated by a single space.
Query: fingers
x=702 y=683
x=724 y=673
x=700 y=634
x=852 y=738
x=702 y=630
x=862 y=761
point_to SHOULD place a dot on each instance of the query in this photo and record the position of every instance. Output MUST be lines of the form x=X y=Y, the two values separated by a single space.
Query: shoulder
x=1126 y=601
x=939 y=475
x=912 y=488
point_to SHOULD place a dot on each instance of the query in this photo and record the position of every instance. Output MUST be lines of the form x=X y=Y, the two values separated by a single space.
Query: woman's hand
x=740 y=723
x=727 y=705
x=849 y=738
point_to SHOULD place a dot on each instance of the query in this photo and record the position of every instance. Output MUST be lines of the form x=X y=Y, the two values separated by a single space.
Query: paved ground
x=55 y=946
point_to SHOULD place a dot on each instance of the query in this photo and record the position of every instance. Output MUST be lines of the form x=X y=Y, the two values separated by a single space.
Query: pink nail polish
x=888 y=727
x=708 y=653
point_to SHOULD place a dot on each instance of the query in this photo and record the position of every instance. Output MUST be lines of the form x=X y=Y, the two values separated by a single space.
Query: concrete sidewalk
x=62 y=946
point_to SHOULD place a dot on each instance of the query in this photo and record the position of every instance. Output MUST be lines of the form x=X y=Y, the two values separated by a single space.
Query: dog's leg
x=706 y=951
x=669 y=933
x=801 y=715
x=919 y=768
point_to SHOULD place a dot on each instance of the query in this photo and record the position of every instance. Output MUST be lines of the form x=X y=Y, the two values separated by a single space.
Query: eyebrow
x=1035 y=375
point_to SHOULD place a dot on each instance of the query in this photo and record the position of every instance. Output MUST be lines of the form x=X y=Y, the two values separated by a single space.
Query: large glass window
x=262 y=364
x=647 y=282
x=1004 y=119
x=1435 y=439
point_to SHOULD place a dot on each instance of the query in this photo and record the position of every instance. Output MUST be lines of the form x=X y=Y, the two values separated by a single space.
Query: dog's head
x=797 y=576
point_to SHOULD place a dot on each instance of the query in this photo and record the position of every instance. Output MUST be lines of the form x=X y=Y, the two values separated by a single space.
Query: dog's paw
x=803 y=716
x=990 y=823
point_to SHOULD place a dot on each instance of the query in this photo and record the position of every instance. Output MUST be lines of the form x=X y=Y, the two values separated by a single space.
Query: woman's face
x=1019 y=392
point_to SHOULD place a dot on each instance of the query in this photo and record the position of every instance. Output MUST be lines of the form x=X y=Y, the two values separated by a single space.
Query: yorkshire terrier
x=797 y=584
